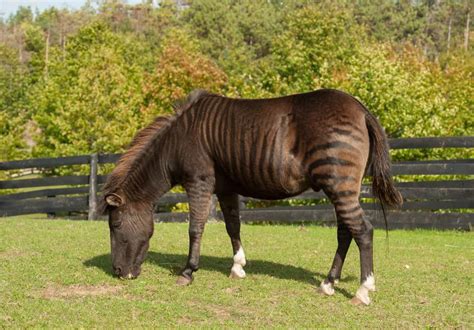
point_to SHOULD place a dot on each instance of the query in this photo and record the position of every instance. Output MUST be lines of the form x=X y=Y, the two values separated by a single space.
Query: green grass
x=56 y=273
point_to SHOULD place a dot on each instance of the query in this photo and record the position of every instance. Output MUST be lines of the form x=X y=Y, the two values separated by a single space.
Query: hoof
x=327 y=288
x=182 y=281
x=362 y=293
x=361 y=297
x=237 y=272
x=356 y=302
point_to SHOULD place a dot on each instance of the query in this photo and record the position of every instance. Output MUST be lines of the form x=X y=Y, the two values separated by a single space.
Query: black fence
x=442 y=204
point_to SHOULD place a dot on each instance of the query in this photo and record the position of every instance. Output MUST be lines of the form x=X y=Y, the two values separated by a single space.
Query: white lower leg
x=327 y=288
x=237 y=270
x=363 y=292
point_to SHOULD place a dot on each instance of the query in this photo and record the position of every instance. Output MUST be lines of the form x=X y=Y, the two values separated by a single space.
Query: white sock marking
x=363 y=291
x=237 y=270
x=327 y=288
x=370 y=282
x=239 y=257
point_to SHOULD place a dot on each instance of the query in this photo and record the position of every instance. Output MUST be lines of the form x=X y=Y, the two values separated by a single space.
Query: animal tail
x=380 y=165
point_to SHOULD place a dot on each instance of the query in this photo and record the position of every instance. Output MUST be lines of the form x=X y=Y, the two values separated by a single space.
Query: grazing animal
x=263 y=148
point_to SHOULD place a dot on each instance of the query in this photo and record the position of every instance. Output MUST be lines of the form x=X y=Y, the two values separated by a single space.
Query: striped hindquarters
x=336 y=164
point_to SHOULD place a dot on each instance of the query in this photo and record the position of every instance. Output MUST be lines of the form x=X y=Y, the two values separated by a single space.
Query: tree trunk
x=449 y=35
x=46 y=52
x=466 y=33
x=20 y=43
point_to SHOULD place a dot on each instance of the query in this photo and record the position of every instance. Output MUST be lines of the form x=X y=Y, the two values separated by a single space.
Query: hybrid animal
x=262 y=148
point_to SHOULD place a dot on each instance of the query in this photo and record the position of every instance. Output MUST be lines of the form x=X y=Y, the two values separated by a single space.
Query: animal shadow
x=175 y=262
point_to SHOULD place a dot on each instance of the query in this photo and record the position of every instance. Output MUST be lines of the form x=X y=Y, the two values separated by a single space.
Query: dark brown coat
x=269 y=149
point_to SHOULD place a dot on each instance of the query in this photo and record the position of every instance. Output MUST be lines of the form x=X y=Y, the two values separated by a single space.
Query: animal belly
x=256 y=156
x=273 y=181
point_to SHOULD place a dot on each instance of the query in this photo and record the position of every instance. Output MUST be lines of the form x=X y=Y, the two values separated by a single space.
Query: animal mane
x=132 y=161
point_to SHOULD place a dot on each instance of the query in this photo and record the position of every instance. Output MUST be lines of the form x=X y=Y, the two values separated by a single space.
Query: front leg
x=199 y=194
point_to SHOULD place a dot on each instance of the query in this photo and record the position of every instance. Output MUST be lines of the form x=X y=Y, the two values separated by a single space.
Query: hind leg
x=344 y=239
x=364 y=236
x=344 y=194
x=350 y=214
x=230 y=208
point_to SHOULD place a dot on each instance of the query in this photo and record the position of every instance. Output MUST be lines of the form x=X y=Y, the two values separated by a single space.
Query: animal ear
x=114 y=200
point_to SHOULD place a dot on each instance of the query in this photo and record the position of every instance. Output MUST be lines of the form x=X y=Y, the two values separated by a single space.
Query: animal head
x=131 y=227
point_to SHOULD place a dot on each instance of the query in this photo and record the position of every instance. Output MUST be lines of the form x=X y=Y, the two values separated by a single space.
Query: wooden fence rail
x=433 y=203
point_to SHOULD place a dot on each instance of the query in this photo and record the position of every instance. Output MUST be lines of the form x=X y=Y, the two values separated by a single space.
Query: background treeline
x=76 y=82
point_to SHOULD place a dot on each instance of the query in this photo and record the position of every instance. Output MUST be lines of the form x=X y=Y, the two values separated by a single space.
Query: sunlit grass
x=56 y=273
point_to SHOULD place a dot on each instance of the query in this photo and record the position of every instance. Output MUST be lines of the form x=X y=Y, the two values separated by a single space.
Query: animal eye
x=117 y=224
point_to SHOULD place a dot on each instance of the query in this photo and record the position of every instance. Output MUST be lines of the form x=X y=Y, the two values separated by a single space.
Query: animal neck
x=142 y=173
x=149 y=167
x=148 y=180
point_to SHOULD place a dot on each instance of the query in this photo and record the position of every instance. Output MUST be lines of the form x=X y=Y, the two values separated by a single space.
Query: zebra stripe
x=353 y=126
x=349 y=211
x=346 y=132
x=334 y=178
x=329 y=145
x=330 y=161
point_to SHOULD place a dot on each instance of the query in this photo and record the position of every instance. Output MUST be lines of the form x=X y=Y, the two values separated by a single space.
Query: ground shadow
x=174 y=263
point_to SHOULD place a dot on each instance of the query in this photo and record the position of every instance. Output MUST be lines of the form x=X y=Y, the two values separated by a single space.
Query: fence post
x=93 y=188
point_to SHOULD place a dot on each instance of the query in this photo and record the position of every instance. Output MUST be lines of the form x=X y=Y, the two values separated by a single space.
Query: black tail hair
x=379 y=164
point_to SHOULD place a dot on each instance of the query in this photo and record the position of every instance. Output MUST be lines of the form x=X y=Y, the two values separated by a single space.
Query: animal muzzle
x=129 y=276
x=126 y=274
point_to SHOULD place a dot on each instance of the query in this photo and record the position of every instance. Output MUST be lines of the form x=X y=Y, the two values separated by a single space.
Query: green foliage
x=314 y=44
x=23 y=14
x=411 y=96
x=180 y=69
x=90 y=98
x=233 y=32
x=74 y=82
x=13 y=114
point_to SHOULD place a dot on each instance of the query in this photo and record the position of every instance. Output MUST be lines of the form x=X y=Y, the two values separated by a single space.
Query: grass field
x=56 y=273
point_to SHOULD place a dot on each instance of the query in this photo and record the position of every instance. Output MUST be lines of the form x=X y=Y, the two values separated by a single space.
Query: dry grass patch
x=55 y=291
x=13 y=254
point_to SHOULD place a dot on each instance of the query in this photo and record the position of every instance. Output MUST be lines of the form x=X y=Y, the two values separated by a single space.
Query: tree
x=13 y=111
x=325 y=49
x=85 y=80
x=234 y=33
x=180 y=69
x=315 y=43
x=90 y=99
